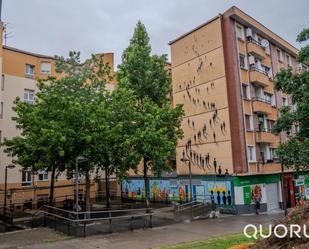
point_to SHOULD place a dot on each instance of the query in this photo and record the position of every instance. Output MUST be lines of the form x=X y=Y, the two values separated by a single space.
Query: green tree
x=158 y=123
x=64 y=121
x=295 y=152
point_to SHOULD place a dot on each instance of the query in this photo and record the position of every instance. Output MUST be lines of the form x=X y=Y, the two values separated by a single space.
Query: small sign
x=299 y=182
x=247 y=195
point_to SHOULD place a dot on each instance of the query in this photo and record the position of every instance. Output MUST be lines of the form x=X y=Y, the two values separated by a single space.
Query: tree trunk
x=107 y=188
x=87 y=194
x=52 y=186
x=146 y=183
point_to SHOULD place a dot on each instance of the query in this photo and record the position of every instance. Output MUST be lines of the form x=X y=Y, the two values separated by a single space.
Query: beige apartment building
x=19 y=70
x=223 y=74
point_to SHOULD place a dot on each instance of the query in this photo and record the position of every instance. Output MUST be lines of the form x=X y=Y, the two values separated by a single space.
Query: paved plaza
x=44 y=238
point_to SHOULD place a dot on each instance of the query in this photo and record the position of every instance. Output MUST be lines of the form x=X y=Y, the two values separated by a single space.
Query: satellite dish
x=264 y=43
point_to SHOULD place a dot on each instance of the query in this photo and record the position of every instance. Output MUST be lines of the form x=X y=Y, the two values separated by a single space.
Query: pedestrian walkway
x=137 y=239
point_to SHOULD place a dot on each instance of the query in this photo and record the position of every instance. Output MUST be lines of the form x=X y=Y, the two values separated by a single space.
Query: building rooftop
x=244 y=18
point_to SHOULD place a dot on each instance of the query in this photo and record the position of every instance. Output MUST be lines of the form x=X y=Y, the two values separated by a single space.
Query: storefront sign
x=247 y=195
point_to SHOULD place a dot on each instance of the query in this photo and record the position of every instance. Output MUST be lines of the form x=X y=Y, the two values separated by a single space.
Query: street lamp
x=10 y=166
x=185 y=159
x=78 y=159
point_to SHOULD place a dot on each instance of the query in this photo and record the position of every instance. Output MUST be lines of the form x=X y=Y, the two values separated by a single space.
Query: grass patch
x=213 y=243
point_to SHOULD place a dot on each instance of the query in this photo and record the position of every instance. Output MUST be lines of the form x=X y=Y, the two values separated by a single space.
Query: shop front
x=249 y=189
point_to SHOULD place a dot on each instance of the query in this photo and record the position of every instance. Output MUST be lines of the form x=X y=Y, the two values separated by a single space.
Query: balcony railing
x=251 y=39
x=260 y=99
x=256 y=69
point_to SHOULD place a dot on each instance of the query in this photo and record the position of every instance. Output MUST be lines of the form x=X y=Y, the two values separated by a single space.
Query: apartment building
x=223 y=74
x=19 y=70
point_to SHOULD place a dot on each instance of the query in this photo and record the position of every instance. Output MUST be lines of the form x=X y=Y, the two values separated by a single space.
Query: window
x=29 y=71
x=26 y=179
x=245 y=91
x=268 y=97
x=1 y=110
x=248 y=122
x=242 y=61
x=261 y=122
x=272 y=153
x=270 y=125
x=284 y=101
x=46 y=68
x=251 y=154
x=42 y=175
x=240 y=32
x=279 y=55
x=2 y=82
x=288 y=60
x=28 y=96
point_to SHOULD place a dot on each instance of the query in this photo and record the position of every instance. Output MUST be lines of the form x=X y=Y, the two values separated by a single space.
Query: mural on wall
x=216 y=192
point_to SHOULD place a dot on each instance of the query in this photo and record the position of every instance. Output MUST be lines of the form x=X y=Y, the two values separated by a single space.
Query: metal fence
x=92 y=222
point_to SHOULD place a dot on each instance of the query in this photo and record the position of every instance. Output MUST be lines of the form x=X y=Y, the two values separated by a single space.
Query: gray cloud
x=93 y=26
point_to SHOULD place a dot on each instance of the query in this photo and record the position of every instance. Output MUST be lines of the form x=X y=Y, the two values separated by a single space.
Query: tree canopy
x=158 y=123
x=295 y=152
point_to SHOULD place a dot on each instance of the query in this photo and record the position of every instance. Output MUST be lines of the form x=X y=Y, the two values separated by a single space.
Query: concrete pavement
x=137 y=239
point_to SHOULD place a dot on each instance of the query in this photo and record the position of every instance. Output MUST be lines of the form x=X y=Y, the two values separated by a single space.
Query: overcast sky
x=91 y=26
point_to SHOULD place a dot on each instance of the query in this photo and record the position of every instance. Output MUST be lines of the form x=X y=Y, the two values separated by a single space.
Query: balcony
x=265 y=136
x=255 y=48
x=259 y=76
x=262 y=105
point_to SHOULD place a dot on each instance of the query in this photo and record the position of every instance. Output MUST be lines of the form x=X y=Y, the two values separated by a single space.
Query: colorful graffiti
x=216 y=192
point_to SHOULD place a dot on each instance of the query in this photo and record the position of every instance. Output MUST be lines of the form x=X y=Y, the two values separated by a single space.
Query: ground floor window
x=26 y=179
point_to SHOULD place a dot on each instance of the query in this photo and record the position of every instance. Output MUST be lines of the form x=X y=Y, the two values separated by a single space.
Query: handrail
x=94 y=219
x=99 y=212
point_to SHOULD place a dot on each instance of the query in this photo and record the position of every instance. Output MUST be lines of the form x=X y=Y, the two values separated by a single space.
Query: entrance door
x=272 y=195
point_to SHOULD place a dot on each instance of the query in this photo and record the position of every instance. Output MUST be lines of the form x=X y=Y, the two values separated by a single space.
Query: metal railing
x=76 y=220
x=192 y=209
x=260 y=99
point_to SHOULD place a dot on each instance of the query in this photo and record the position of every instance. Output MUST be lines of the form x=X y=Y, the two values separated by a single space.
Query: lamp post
x=184 y=159
x=282 y=190
x=78 y=159
x=10 y=166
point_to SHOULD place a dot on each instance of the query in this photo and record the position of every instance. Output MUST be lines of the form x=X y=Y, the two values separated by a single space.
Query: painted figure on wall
x=218 y=198
x=229 y=198
x=224 y=198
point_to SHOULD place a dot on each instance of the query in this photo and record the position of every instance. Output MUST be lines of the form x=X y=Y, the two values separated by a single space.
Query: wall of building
x=199 y=83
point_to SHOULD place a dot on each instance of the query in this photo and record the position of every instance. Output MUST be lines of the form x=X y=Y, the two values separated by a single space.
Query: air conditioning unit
x=249 y=32
x=251 y=60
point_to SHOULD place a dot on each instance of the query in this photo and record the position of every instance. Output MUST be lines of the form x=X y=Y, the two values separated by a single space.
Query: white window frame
x=279 y=52
x=245 y=60
x=251 y=150
x=44 y=175
x=48 y=65
x=288 y=60
x=240 y=33
x=28 y=72
x=28 y=178
x=285 y=101
x=28 y=93
x=247 y=87
x=250 y=122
